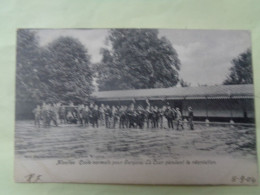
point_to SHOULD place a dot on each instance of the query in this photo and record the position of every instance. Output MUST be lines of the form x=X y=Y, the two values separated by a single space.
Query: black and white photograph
x=135 y=106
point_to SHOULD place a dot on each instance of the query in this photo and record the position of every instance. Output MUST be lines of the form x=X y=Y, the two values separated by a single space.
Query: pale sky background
x=205 y=55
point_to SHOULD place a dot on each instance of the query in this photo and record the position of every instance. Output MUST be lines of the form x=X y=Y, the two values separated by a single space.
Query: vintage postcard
x=135 y=106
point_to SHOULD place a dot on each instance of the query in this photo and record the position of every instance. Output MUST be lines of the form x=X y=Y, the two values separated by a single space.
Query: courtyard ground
x=73 y=141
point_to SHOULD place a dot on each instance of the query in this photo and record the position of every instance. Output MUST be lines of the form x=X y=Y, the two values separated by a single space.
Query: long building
x=215 y=103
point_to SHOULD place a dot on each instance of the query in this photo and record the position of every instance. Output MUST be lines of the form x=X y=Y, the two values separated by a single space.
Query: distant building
x=216 y=103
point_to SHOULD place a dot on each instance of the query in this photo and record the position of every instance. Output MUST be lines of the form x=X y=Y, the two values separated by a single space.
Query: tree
x=184 y=83
x=67 y=72
x=138 y=59
x=241 y=71
x=28 y=83
x=58 y=72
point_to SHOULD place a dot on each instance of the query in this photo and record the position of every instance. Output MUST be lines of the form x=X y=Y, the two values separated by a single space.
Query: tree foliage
x=241 y=71
x=184 y=83
x=138 y=59
x=58 y=72
x=69 y=76
x=27 y=78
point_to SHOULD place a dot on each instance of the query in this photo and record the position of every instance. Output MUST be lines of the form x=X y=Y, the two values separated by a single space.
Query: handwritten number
x=242 y=179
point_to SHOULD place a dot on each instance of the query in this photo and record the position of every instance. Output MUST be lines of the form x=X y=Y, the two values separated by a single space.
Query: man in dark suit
x=190 y=118
x=169 y=115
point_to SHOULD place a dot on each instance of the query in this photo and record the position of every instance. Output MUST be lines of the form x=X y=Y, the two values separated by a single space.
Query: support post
x=207 y=116
x=207 y=120
x=231 y=111
x=230 y=106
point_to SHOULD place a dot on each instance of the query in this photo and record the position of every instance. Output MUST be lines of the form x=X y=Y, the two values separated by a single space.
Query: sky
x=205 y=55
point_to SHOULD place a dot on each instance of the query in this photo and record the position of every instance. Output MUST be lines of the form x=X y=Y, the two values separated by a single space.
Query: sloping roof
x=200 y=92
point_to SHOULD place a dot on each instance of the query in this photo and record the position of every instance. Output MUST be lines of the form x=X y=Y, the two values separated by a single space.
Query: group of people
x=132 y=116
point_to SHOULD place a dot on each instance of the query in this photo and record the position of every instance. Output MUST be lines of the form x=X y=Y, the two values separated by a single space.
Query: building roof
x=200 y=92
